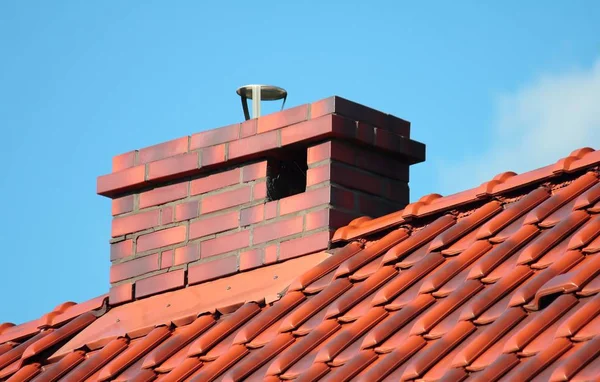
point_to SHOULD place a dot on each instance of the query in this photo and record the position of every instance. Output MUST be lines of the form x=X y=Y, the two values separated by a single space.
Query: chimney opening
x=286 y=175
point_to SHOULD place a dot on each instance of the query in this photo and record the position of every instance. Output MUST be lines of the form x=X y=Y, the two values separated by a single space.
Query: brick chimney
x=250 y=194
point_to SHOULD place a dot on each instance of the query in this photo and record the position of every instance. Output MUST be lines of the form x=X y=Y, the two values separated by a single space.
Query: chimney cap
x=267 y=92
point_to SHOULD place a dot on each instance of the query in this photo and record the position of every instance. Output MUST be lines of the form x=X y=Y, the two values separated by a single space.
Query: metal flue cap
x=258 y=93
x=267 y=92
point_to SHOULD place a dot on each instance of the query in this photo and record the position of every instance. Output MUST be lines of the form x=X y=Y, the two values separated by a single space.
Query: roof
x=497 y=282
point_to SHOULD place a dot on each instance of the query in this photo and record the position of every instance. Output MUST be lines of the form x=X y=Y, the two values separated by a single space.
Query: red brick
x=332 y=150
x=398 y=125
x=373 y=161
x=123 y=161
x=318 y=175
x=283 y=118
x=304 y=245
x=304 y=201
x=162 y=195
x=259 y=191
x=271 y=254
x=339 y=219
x=173 y=167
x=397 y=192
x=318 y=152
x=120 y=294
x=214 y=224
x=342 y=198
x=212 y=270
x=215 y=181
x=166 y=215
x=309 y=130
x=317 y=219
x=322 y=107
x=120 y=181
x=271 y=210
x=186 y=211
x=225 y=200
x=356 y=179
x=187 y=254
x=121 y=249
x=160 y=283
x=214 y=155
x=278 y=229
x=253 y=145
x=134 y=268
x=365 y=133
x=214 y=136
x=362 y=113
x=162 y=238
x=166 y=259
x=250 y=259
x=163 y=150
x=349 y=109
x=122 y=205
x=226 y=243
x=252 y=215
x=248 y=128
x=391 y=141
x=254 y=171
x=133 y=223
x=376 y=207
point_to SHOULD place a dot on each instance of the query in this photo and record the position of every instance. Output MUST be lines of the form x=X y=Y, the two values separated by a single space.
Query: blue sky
x=487 y=87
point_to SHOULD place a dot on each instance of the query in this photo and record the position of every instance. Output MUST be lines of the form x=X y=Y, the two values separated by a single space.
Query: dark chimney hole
x=286 y=174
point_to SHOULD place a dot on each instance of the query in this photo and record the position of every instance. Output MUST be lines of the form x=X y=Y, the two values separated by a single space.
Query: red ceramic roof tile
x=425 y=360
x=302 y=347
x=268 y=317
x=586 y=234
x=503 y=251
x=94 y=363
x=394 y=359
x=568 y=282
x=360 y=291
x=26 y=373
x=325 y=267
x=465 y=225
x=495 y=292
x=570 y=366
x=350 y=333
x=134 y=352
x=371 y=252
x=419 y=238
x=259 y=358
x=536 y=326
x=213 y=370
x=588 y=198
x=490 y=285
x=314 y=305
x=552 y=237
x=560 y=198
x=530 y=367
x=528 y=290
x=178 y=341
x=407 y=278
x=225 y=327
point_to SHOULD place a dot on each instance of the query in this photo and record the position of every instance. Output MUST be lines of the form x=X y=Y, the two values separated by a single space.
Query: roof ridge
x=59 y=315
x=430 y=204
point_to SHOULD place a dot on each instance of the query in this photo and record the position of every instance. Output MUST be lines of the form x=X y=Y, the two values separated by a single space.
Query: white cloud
x=535 y=126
